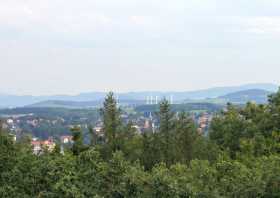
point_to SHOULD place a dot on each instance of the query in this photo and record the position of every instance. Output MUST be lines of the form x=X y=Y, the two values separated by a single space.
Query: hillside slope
x=251 y=95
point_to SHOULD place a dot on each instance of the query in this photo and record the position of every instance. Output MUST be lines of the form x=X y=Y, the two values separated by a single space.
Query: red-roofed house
x=38 y=146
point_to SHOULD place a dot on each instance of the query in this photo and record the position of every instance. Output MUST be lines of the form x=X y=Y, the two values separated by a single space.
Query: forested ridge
x=240 y=157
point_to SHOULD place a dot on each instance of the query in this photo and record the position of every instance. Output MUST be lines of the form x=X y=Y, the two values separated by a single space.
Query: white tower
x=147 y=100
x=117 y=100
x=151 y=116
x=171 y=99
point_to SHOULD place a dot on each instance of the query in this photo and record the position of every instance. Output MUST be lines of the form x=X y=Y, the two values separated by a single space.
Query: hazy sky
x=70 y=46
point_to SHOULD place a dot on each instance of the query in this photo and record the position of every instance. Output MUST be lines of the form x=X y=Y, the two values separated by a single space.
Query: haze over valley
x=256 y=92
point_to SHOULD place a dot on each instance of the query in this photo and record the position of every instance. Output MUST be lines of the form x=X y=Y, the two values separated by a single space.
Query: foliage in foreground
x=240 y=158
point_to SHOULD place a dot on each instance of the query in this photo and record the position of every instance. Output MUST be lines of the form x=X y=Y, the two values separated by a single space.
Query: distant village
x=19 y=124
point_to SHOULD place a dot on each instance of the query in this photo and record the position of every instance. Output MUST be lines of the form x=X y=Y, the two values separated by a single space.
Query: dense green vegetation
x=240 y=158
x=188 y=107
x=70 y=115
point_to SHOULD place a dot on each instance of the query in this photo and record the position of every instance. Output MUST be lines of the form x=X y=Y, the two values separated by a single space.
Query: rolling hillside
x=251 y=95
x=91 y=98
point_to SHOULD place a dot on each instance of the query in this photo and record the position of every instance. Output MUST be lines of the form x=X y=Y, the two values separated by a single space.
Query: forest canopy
x=240 y=157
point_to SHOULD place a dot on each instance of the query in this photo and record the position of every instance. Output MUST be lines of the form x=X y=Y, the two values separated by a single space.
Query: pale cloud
x=139 y=20
x=193 y=44
x=264 y=25
x=27 y=10
x=258 y=25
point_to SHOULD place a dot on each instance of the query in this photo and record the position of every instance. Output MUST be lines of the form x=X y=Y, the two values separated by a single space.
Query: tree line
x=239 y=158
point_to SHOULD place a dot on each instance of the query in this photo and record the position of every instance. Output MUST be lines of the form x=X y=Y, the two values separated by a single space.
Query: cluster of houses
x=141 y=123
x=39 y=146
x=14 y=123
x=11 y=125
x=204 y=122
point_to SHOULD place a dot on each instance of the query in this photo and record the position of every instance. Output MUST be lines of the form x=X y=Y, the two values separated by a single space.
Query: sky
x=69 y=46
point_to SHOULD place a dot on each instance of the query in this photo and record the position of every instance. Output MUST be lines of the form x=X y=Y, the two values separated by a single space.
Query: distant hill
x=20 y=101
x=64 y=104
x=193 y=107
x=240 y=97
x=221 y=91
x=80 y=104
x=252 y=95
